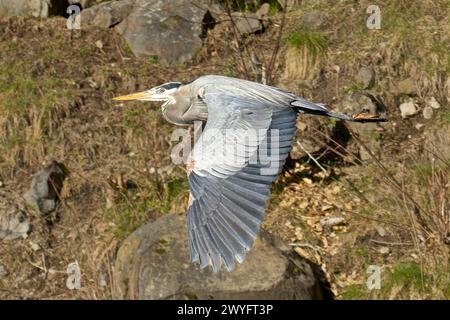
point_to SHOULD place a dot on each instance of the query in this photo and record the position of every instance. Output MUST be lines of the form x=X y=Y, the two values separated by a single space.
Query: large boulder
x=153 y=263
x=36 y=8
x=107 y=14
x=168 y=30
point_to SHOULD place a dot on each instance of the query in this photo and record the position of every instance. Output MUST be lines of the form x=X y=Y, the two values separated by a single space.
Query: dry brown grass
x=97 y=139
x=56 y=104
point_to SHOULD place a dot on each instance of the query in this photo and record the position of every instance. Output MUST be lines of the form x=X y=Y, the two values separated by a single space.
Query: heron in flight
x=244 y=123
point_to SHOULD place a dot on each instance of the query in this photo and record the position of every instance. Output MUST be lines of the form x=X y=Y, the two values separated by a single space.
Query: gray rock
x=153 y=263
x=35 y=246
x=169 y=30
x=106 y=14
x=361 y=102
x=3 y=271
x=83 y=3
x=14 y=225
x=263 y=11
x=331 y=221
x=36 y=8
x=371 y=144
x=381 y=231
x=87 y=3
x=427 y=112
x=314 y=20
x=407 y=87
x=366 y=76
x=247 y=23
x=46 y=187
x=432 y=102
x=364 y=155
x=408 y=109
x=99 y=44
x=367 y=132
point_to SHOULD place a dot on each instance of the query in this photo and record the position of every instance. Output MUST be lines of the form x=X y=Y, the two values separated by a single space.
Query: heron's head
x=164 y=93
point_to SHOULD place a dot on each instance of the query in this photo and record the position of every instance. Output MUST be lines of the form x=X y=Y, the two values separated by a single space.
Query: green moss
x=353 y=292
x=133 y=208
x=447 y=292
x=275 y=7
x=175 y=188
x=127 y=215
x=362 y=251
x=423 y=172
x=277 y=188
x=315 y=42
x=352 y=87
x=445 y=117
x=153 y=59
x=162 y=246
x=85 y=52
x=407 y=274
x=20 y=89
x=132 y=119
x=332 y=123
x=127 y=49
x=370 y=135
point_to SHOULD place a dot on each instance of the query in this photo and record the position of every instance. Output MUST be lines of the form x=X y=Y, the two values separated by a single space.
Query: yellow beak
x=133 y=96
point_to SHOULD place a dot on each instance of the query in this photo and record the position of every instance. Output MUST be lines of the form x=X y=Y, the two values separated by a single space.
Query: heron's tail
x=307 y=107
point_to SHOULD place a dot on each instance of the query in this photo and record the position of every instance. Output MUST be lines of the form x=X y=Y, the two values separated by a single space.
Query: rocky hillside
x=351 y=197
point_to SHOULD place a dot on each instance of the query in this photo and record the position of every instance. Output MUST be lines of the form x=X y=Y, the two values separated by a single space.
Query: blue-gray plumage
x=247 y=136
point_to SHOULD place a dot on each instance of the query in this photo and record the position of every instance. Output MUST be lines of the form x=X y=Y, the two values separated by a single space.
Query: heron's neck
x=174 y=110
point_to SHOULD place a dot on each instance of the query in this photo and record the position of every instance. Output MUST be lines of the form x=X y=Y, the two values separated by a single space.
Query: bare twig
x=305 y=245
x=237 y=38
x=392 y=243
x=270 y=68
x=311 y=157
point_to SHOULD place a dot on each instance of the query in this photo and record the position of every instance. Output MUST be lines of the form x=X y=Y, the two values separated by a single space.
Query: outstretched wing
x=239 y=154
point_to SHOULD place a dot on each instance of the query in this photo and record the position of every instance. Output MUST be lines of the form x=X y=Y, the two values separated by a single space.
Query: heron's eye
x=160 y=90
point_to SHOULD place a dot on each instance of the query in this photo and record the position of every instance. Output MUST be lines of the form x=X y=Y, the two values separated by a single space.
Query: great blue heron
x=229 y=180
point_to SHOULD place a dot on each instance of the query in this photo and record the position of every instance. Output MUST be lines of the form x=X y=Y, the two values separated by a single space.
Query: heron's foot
x=366 y=117
x=191 y=199
x=190 y=166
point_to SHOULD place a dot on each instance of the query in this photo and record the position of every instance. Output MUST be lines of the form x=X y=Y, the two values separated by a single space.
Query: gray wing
x=235 y=128
x=230 y=192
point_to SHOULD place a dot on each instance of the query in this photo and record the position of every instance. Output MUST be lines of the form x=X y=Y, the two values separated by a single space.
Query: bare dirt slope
x=55 y=103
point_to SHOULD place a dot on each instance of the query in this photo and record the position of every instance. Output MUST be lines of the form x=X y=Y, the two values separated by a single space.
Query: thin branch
x=392 y=243
x=273 y=59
